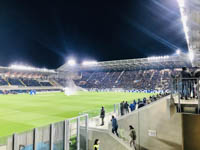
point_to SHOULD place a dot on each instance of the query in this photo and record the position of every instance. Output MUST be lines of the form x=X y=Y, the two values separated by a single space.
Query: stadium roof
x=32 y=70
x=176 y=61
x=190 y=16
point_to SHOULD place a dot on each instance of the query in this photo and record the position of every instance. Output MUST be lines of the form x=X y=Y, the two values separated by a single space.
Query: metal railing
x=186 y=91
x=70 y=134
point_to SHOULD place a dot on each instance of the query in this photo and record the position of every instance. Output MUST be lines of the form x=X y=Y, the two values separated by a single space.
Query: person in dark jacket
x=133 y=136
x=126 y=105
x=141 y=104
x=144 y=100
x=102 y=115
x=132 y=106
x=122 y=108
x=114 y=126
x=134 y=102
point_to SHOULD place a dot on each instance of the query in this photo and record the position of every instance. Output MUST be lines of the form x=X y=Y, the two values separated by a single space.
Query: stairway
x=108 y=140
x=54 y=83
x=119 y=76
x=51 y=82
x=90 y=77
x=22 y=82
x=6 y=81
x=105 y=76
x=106 y=134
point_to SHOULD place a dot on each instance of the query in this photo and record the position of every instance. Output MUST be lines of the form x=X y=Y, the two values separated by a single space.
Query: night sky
x=44 y=33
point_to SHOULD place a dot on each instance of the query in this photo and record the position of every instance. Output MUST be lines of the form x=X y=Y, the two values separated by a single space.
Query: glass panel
x=58 y=136
x=83 y=133
x=43 y=138
x=24 y=141
x=73 y=134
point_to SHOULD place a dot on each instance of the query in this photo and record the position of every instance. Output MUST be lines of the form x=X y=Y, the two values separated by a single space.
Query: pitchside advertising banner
x=123 y=90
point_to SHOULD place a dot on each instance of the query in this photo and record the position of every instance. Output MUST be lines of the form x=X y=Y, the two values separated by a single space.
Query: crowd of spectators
x=138 y=79
x=14 y=81
x=23 y=82
x=2 y=81
x=126 y=107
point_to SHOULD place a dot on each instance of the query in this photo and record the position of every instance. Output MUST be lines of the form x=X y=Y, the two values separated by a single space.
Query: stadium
x=61 y=108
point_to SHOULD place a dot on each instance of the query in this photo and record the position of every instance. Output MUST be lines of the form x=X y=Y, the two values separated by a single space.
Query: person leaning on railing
x=193 y=83
x=185 y=75
x=196 y=87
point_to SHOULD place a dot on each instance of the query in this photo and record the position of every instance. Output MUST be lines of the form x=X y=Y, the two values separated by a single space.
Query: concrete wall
x=191 y=131
x=159 y=118
x=107 y=140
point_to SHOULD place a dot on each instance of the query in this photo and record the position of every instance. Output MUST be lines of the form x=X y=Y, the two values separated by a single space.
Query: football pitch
x=23 y=112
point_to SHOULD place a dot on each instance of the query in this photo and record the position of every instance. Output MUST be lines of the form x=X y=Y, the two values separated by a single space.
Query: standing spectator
x=126 y=105
x=134 y=102
x=131 y=106
x=140 y=103
x=102 y=115
x=144 y=100
x=185 y=75
x=193 y=82
x=114 y=126
x=133 y=136
x=122 y=108
x=96 y=144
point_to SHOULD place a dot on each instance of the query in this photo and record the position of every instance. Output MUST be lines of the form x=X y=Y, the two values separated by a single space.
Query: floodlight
x=178 y=51
x=71 y=62
x=88 y=63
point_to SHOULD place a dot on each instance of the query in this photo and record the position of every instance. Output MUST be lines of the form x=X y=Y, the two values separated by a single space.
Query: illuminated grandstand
x=155 y=72
x=22 y=79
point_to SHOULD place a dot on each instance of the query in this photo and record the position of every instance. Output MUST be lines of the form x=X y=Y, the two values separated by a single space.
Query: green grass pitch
x=19 y=113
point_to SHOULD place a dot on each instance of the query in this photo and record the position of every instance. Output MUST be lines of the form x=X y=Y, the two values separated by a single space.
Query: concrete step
x=125 y=144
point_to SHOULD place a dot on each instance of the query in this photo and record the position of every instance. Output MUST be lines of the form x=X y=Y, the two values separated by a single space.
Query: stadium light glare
x=158 y=57
x=89 y=63
x=71 y=62
x=23 y=67
x=178 y=51
x=186 y=29
x=184 y=18
x=191 y=56
x=181 y=3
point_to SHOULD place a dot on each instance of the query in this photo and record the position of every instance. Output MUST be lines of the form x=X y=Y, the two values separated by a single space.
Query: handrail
x=186 y=88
